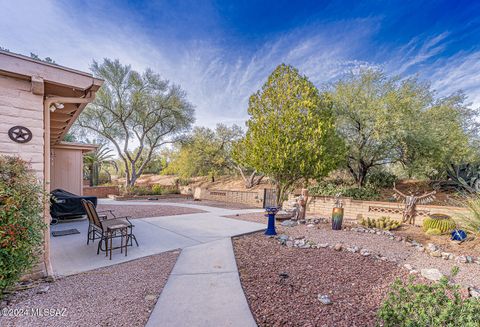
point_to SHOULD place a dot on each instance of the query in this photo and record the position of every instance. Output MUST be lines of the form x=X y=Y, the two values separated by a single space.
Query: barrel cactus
x=440 y=222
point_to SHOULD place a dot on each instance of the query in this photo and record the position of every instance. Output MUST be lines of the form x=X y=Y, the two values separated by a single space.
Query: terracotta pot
x=337 y=218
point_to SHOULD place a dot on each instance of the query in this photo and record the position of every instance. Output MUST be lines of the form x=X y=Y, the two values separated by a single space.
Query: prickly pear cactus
x=385 y=223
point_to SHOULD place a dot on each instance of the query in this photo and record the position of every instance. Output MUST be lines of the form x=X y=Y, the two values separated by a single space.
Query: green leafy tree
x=291 y=132
x=206 y=152
x=133 y=109
x=388 y=121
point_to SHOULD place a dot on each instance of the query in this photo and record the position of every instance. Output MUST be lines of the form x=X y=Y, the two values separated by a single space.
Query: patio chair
x=100 y=226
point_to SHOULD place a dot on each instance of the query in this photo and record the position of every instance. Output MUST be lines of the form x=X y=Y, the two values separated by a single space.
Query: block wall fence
x=358 y=209
x=252 y=198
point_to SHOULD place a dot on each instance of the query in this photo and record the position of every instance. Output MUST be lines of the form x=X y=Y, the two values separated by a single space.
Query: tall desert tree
x=387 y=120
x=206 y=152
x=134 y=110
x=291 y=133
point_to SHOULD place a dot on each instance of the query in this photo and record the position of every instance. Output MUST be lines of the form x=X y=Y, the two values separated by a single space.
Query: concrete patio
x=70 y=254
x=203 y=289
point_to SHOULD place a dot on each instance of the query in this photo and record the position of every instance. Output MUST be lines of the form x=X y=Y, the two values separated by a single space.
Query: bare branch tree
x=136 y=111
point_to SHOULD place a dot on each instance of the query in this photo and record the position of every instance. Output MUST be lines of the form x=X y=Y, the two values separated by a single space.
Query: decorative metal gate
x=269 y=197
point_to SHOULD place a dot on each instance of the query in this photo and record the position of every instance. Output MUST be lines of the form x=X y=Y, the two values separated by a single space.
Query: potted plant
x=337 y=214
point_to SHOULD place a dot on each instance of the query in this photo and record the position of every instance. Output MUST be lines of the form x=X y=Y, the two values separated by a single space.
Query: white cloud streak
x=219 y=81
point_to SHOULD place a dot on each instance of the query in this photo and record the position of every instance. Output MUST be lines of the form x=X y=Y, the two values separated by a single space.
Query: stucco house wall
x=19 y=106
x=46 y=99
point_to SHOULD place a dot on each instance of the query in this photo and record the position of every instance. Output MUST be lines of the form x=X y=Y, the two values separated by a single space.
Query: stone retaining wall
x=253 y=198
x=358 y=209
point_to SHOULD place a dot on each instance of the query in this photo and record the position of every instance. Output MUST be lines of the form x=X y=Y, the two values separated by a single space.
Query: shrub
x=21 y=219
x=182 y=181
x=439 y=304
x=332 y=188
x=381 y=179
x=157 y=189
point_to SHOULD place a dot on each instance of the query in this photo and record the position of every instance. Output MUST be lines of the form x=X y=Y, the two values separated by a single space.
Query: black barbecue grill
x=66 y=205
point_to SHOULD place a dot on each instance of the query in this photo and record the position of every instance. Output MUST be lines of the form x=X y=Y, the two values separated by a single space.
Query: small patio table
x=111 y=231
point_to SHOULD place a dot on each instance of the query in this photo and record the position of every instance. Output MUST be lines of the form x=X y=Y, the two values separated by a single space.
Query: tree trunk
x=133 y=177
x=278 y=193
x=360 y=174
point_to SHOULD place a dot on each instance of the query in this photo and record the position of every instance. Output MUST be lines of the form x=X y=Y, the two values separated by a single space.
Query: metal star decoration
x=20 y=134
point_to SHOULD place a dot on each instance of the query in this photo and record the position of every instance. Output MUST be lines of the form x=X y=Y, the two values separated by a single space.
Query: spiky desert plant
x=433 y=231
x=471 y=221
x=443 y=223
x=381 y=223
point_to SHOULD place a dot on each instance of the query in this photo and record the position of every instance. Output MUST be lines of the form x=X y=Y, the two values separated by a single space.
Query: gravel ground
x=144 y=211
x=208 y=203
x=402 y=253
x=355 y=284
x=118 y=295
x=399 y=252
x=251 y=217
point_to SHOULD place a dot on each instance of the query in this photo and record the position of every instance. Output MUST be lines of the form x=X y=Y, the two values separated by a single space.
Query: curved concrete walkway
x=203 y=290
x=204 y=287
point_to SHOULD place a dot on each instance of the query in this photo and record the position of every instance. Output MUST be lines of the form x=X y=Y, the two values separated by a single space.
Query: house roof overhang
x=85 y=148
x=66 y=91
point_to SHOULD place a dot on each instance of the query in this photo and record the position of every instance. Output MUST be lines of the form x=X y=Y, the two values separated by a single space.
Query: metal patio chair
x=101 y=226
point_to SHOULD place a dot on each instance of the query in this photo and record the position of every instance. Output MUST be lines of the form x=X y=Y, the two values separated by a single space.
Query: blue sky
x=220 y=52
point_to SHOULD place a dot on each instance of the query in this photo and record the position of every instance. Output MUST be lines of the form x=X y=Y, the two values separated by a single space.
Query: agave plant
x=465 y=177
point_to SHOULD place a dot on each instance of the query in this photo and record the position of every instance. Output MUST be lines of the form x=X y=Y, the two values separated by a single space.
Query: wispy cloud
x=219 y=80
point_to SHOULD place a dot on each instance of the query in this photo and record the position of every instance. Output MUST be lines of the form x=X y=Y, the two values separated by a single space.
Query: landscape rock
x=338 y=247
x=447 y=256
x=408 y=266
x=323 y=245
x=150 y=297
x=436 y=254
x=469 y=259
x=43 y=289
x=325 y=299
x=431 y=274
x=365 y=252
x=420 y=249
x=282 y=239
x=299 y=243
x=310 y=225
x=353 y=249
x=461 y=259
x=289 y=244
x=288 y=223
x=432 y=247
x=474 y=292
